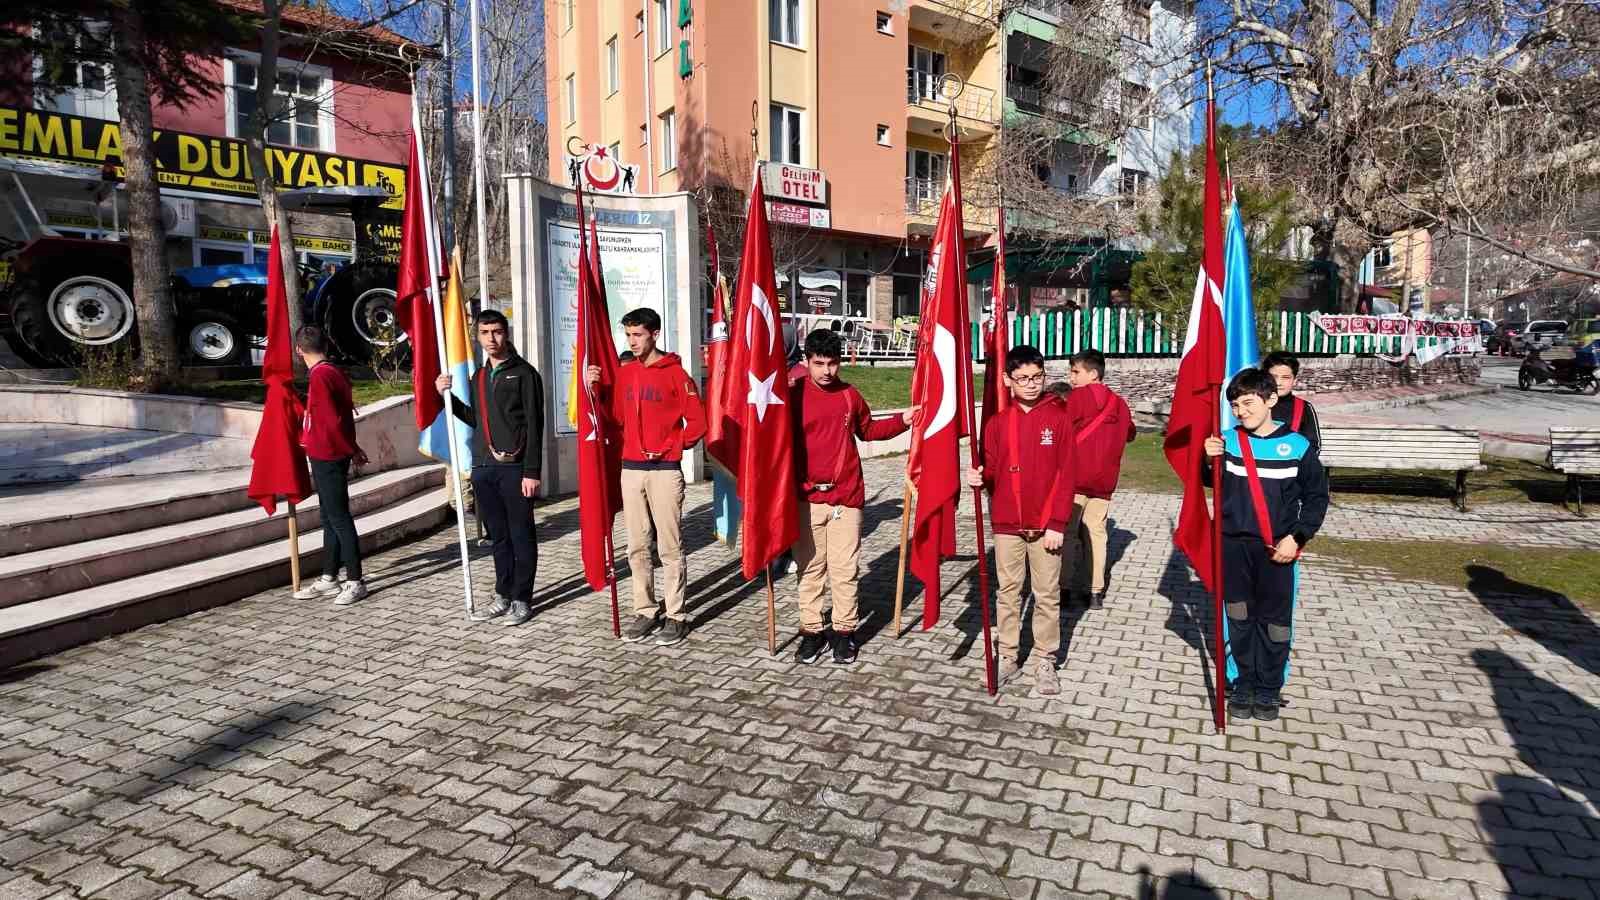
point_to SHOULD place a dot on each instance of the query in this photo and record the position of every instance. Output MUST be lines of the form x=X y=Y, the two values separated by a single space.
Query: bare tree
x=723 y=197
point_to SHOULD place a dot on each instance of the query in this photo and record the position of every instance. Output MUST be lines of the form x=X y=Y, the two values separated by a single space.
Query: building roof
x=312 y=19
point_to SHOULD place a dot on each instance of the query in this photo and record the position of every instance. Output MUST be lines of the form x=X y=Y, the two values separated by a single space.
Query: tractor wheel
x=359 y=312
x=213 y=339
x=61 y=315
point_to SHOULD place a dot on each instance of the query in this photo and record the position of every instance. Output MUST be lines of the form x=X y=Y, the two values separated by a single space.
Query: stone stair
x=81 y=561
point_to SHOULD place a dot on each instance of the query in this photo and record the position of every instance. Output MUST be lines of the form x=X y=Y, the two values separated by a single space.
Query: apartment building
x=850 y=99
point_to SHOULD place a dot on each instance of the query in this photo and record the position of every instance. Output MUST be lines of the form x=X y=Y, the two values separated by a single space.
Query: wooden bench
x=1575 y=451
x=1431 y=448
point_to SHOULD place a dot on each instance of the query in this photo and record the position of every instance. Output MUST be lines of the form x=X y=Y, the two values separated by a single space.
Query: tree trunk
x=267 y=108
x=147 y=237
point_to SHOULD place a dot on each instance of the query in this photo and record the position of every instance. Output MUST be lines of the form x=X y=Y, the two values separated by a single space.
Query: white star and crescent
x=761 y=393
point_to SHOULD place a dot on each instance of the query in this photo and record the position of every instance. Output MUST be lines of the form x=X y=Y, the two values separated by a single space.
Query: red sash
x=1298 y=414
x=1258 y=497
x=1096 y=422
x=1015 y=466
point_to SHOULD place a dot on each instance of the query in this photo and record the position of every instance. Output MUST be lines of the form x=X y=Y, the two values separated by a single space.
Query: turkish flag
x=278 y=462
x=1197 y=399
x=722 y=441
x=413 y=304
x=997 y=339
x=599 y=438
x=758 y=376
x=942 y=388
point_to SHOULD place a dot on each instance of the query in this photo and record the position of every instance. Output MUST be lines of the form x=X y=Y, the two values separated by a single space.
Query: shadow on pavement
x=1551 y=618
x=1180 y=884
x=22 y=673
x=1535 y=824
x=1192 y=616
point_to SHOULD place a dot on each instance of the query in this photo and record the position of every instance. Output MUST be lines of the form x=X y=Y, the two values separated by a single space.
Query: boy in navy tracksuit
x=1297 y=412
x=1274 y=497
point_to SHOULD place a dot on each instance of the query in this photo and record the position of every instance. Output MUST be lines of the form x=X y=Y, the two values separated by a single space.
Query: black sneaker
x=520 y=614
x=1241 y=703
x=672 y=631
x=1097 y=600
x=642 y=627
x=844 y=648
x=1267 y=707
x=810 y=647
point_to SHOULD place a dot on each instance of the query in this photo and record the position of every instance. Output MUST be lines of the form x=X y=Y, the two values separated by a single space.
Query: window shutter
x=685 y=64
x=685 y=12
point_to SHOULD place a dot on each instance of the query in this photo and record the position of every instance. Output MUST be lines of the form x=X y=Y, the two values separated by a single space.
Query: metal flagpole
x=447 y=227
x=600 y=442
x=1220 y=714
x=438 y=334
x=477 y=163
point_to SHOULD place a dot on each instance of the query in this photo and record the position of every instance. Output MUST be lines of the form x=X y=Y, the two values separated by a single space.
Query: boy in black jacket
x=1297 y=412
x=1274 y=497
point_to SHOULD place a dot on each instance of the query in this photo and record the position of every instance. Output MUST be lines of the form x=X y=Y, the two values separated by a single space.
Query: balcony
x=927 y=109
x=956 y=20
x=922 y=198
x=1041 y=101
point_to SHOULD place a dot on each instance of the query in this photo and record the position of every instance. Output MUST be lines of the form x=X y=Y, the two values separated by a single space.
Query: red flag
x=278 y=465
x=996 y=399
x=758 y=376
x=599 y=440
x=721 y=439
x=942 y=387
x=1196 y=400
x=413 y=306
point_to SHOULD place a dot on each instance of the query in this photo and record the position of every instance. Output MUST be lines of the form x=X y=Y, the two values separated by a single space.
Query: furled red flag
x=758 y=375
x=413 y=305
x=997 y=340
x=941 y=385
x=1196 y=401
x=599 y=440
x=278 y=466
x=721 y=440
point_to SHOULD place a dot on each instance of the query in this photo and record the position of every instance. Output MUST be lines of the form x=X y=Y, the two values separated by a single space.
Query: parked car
x=1583 y=334
x=1499 y=341
x=1540 y=335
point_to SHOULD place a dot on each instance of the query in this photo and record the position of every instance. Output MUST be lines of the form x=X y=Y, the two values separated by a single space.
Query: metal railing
x=974 y=102
x=970 y=9
x=923 y=195
x=1033 y=99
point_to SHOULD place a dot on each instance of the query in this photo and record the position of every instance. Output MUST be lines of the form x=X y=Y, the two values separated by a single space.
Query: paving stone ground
x=1438 y=744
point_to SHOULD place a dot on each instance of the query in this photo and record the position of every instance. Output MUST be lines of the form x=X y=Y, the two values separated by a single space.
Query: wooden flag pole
x=611 y=563
x=900 y=570
x=772 y=616
x=294 y=547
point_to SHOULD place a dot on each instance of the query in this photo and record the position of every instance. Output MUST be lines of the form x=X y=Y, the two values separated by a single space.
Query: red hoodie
x=1032 y=488
x=1104 y=426
x=827 y=423
x=328 y=429
x=660 y=411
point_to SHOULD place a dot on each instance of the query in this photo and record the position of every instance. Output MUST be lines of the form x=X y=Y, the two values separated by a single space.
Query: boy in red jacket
x=829 y=416
x=1028 y=468
x=328 y=434
x=659 y=408
x=1103 y=427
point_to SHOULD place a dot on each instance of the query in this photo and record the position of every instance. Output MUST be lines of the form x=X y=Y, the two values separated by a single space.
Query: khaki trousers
x=1091 y=527
x=828 y=552
x=1014 y=558
x=652 y=500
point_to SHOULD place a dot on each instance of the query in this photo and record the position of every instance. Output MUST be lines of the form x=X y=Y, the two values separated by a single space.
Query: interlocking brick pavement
x=1438 y=744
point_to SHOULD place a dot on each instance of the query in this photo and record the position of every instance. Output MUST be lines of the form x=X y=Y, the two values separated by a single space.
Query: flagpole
x=600 y=433
x=772 y=616
x=900 y=570
x=965 y=396
x=477 y=160
x=438 y=332
x=1219 y=714
x=294 y=547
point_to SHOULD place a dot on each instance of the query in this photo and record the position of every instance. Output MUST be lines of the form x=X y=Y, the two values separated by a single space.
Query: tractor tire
x=359 y=313
x=213 y=339
x=62 y=314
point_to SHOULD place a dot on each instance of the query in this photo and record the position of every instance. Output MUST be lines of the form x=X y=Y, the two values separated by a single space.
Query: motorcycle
x=1577 y=373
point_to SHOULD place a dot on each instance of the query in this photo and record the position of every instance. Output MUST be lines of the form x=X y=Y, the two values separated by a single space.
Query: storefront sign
x=821 y=290
x=307 y=242
x=800 y=216
x=194 y=162
x=793 y=184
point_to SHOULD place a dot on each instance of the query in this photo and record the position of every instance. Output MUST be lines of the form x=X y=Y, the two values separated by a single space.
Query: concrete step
x=41 y=516
x=32 y=452
x=75 y=567
x=41 y=627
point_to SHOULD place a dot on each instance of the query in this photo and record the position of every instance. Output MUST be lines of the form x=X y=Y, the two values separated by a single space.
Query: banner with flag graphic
x=758 y=377
x=1241 y=348
x=413 y=306
x=942 y=388
x=278 y=462
x=435 y=439
x=599 y=438
x=996 y=398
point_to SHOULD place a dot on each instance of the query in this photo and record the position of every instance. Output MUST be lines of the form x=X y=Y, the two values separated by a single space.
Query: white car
x=1539 y=335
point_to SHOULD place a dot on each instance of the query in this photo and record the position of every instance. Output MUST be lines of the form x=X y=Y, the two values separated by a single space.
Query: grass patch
x=889 y=387
x=1481 y=568
x=253 y=390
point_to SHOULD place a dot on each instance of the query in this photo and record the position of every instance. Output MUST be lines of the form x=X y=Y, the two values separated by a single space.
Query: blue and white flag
x=1238 y=310
x=434 y=442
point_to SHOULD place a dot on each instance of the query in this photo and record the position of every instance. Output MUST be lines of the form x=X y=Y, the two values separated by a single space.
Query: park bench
x=1575 y=451
x=1431 y=448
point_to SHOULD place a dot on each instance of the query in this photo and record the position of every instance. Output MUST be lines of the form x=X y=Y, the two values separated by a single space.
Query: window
x=669 y=141
x=1132 y=181
x=1138 y=16
x=924 y=178
x=924 y=69
x=783 y=18
x=883 y=135
x=616 y=152
x=304 y=95
x=570 y=96
x=220 y=254
x=638 y=23
x=787 y=129
x=82 y=87
x=1136 y=112
x=1382 y=257
x=569 y=15
x=885 y=23
x=663 y=27
x=613 y=67
x=644 y=136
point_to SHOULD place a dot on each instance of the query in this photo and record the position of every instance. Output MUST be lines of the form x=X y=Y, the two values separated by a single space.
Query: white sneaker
x=316 y=590
x=352 y=592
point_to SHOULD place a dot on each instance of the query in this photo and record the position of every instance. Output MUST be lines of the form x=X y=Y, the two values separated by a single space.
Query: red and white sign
x=793 y=184
x=803 y=216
